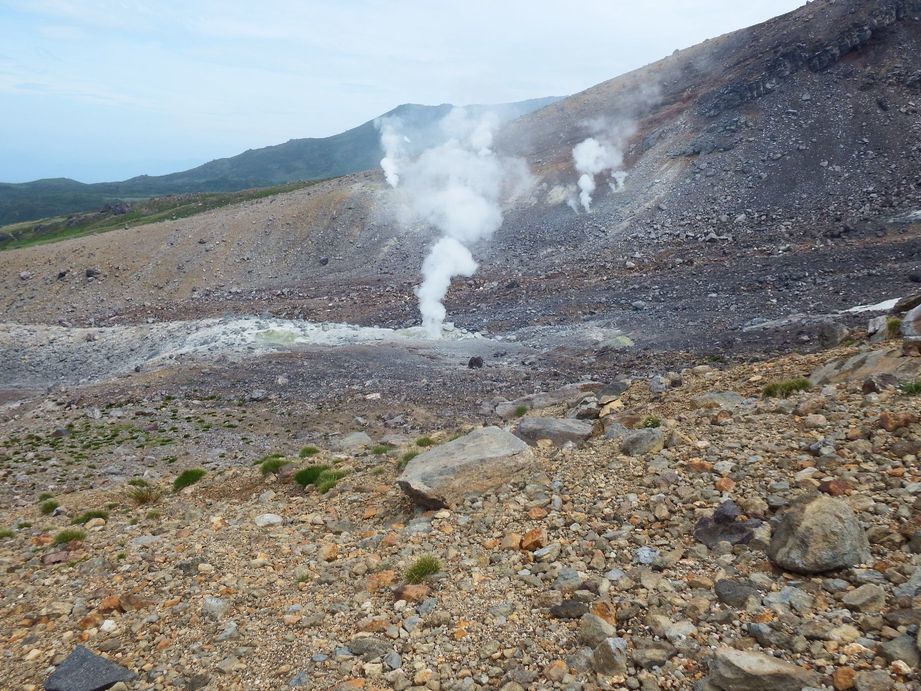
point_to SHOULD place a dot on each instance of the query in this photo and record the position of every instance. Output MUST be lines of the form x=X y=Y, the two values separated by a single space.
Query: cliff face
x=868 y=22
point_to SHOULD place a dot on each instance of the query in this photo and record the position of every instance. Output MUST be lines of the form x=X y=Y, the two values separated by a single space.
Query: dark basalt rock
x=724 y=525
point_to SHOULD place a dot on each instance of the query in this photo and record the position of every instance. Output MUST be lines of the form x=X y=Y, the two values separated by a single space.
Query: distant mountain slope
x=298 y=159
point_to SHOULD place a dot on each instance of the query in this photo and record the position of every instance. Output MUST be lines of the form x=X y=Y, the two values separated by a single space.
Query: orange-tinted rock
x=725 y=484
x=534 y=539
x=381 y=580
x=843 y=679
x=411 y=592
x=835 y=488
x=894 y=421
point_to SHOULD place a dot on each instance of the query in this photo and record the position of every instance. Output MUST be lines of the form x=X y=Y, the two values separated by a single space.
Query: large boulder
x=864 y=365
x=818 y=534
x=567 y=395
x=83 y=670
x=740 y=670
x=557 y=430
x=477 y=462
x=911 y=325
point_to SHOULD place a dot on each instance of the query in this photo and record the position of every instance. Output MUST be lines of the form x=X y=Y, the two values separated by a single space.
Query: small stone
x=610 y=656
x=593 y=630
x=866 y=598
x=268 y=520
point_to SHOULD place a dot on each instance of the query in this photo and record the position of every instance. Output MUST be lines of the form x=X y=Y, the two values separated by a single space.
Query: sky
x=100 y=90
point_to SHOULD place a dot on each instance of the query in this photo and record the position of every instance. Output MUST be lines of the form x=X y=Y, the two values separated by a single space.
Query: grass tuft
x=270 y=465
x=187 y=478
x=425 y=442
x=89 y=515
x=138 y=482
x=6 y=532
x=328 y=479
x=380 y=449
x=521 y=410
x=308 y=476
x=912 y=388
x=406 y=458
x=309 y=451
x=143 y=494
x=785 y=387
x=651 y=422
x=69 y=535
x=893 y=326
x=422 y=568
x=48 y=506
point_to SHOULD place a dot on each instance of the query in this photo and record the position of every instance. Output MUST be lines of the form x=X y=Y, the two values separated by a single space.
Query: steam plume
x=458 y=187
x=392 y=143
x=591 y=158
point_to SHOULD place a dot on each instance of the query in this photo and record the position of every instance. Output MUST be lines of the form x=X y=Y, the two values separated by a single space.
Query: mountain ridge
x=302 y=159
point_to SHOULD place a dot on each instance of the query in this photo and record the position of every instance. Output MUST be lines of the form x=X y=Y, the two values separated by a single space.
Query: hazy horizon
x=110 y=89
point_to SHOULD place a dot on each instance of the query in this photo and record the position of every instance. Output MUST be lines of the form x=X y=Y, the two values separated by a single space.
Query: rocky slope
x=653 y=557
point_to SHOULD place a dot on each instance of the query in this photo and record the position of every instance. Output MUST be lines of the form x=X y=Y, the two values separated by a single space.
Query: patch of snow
x=878 y=307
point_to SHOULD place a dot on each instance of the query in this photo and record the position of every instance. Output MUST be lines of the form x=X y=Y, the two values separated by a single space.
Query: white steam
x=458 y=187
x=593 y=157
x=392 y=141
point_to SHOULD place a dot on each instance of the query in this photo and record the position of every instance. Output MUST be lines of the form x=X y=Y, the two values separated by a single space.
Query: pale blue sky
x=107 y=89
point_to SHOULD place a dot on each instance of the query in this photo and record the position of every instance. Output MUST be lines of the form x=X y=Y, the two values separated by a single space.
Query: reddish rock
x=835 y=488
x=893 y=421
x=411 y=592
x=534 y=539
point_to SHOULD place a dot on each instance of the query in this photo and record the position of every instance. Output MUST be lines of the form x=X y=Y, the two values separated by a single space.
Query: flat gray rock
x=739 y=670
x=86 y=671
x=482 y=460
x=355 y=440
x=557 y=430
x=643 y=441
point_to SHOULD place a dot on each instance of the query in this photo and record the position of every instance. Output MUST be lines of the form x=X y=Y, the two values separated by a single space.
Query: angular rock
x=866 y=598
x=559 y=431
x=593 y=630
x=369 y=648
x=82 y=670
x=355 y=440
x=725 y=400
x=268 y=520
x=863 y=365
x=610 y=656
x=643 y=441
x=734 y=593
x=479 y=461
x=818 y=534
x=737 y=670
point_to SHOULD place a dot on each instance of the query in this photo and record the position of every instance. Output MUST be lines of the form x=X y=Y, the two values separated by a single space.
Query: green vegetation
x=651 y=422
x=309 y=451
x=912 y=388
x=89 y=515
x=138 y=482
x=406 y=458
x=425 y=442
x=272 y=464
x=422 y=568
x=187 y=478
x=786 y=387
x=521 y=410
x=143 y=494
x=141 y=210
x=48 y=506
x=6 y=532
x=380 y=449
x=69 y=535
x=893 y=326
x=308 y=476
x=328 y=479
x=45 y=495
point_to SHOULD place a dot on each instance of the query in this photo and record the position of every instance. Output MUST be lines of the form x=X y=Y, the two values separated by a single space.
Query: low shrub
x=786 y=387
x=89 y=515
x=270 y=465
x=328 y=479
x=48 y=506
x=651 y=422
x=187 y=478
x=308 y=476
x=69 y=535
